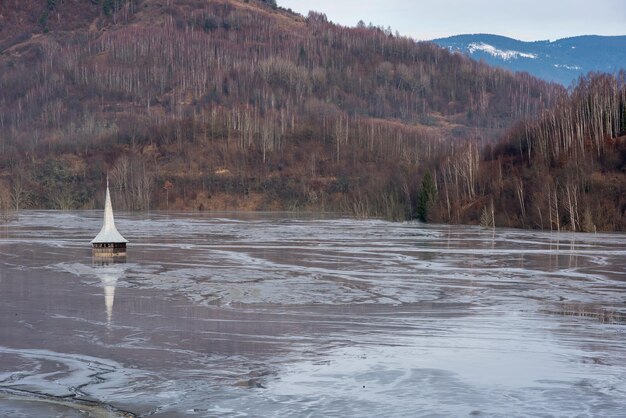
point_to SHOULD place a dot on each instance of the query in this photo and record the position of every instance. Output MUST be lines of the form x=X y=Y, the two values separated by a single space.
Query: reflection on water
x=593 y=312
x=272 y=315
x=109 y=270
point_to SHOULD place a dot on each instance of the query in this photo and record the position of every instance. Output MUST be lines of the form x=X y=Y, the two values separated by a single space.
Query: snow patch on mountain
x=562 y=61
x=569 y=67
x=499 y=53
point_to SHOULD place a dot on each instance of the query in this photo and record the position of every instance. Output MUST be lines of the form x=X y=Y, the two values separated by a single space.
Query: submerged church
x=109 y=242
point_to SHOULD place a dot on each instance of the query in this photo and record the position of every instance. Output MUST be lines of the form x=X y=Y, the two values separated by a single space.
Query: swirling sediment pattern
x=281 y=315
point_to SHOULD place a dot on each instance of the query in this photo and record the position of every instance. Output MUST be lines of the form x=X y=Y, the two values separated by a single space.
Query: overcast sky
x=528 y=20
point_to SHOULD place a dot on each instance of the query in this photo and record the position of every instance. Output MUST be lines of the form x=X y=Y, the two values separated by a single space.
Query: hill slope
x=561 y=61
x=233 y=104
x=566 y=169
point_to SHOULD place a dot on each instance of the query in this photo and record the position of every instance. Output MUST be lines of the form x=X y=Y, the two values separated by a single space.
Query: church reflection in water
x=109 y=271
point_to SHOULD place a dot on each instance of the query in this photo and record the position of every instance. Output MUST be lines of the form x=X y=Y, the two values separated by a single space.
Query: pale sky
x=528 y=20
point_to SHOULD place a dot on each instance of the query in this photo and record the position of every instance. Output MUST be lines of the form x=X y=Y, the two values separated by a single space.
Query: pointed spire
x=109 y=222
x=108 y=233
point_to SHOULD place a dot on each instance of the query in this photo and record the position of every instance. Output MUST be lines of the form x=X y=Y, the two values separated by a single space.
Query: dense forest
x=226 y=104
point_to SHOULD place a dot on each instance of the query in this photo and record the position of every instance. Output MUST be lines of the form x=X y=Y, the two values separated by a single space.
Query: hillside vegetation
x=565 y=170
x=196 y=104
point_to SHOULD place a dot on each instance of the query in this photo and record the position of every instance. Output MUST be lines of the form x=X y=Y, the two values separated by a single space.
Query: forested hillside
x=565 y=170
x=197 y=104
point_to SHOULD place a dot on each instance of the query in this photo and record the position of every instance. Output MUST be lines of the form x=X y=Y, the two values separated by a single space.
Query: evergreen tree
x=426 y=197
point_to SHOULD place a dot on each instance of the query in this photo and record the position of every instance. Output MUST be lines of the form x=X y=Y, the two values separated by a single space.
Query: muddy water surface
x=276 y=315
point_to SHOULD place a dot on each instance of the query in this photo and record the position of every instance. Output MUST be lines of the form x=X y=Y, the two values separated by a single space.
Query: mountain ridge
x=563 y=60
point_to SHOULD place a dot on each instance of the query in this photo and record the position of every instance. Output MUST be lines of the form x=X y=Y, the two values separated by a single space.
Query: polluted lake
x=274 y=315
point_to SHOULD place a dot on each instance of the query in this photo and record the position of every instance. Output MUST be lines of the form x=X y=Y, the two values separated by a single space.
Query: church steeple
x=109 y=241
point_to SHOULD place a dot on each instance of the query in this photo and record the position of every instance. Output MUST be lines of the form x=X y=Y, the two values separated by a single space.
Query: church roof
x=108 y=234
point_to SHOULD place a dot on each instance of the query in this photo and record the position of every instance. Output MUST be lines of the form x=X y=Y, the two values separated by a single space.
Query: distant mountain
x=562 y=61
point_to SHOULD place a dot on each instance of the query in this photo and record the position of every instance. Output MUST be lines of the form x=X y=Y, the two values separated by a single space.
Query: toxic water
x=275 y=315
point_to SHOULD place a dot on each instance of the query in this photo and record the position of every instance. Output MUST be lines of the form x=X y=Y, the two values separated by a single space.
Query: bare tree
x=167 y=186
x=20 y=195
x=519 y=188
